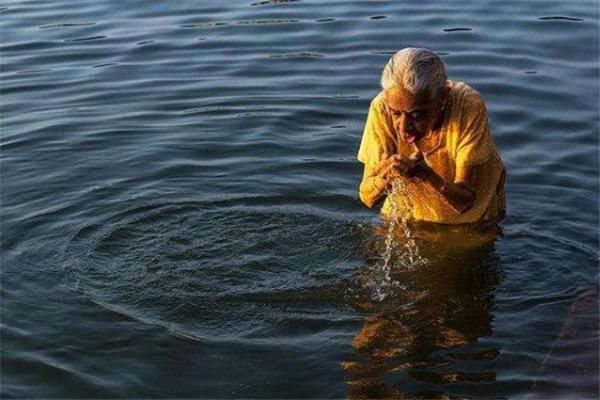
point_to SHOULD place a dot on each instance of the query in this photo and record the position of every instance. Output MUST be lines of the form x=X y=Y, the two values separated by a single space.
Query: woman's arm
x=458 y=194
x=376 y=181
x=372 y=188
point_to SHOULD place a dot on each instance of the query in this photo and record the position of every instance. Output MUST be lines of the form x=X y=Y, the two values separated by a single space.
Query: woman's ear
x=446 y=92
x=443 y=96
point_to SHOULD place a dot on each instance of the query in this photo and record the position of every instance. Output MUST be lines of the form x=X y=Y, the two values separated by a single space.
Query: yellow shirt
x=464 y=140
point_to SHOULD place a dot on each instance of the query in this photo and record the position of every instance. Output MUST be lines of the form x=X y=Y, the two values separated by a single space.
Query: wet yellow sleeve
x=474 y=146
x=371 y=147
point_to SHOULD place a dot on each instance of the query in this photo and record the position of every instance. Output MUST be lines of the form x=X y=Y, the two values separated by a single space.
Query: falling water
x=404 y=255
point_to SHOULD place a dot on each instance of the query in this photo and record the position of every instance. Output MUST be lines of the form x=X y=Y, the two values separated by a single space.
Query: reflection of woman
x=418 y=333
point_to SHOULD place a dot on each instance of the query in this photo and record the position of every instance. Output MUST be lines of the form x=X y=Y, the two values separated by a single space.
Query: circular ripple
x=212 y=270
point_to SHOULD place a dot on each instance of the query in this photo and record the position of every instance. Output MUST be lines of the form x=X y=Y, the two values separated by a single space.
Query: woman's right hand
x=388 y=167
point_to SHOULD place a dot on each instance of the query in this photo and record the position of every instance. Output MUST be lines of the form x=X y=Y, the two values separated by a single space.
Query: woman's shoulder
x=463 y=95
x=377 y=113
x=377 y=102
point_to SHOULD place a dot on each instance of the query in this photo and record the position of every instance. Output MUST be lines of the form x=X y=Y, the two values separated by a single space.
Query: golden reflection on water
x=420 y=334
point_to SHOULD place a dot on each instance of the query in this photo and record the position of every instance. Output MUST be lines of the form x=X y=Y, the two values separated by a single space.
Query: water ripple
x=457 y=29
x=86 y=39
x=560 y=18
x=273 y=2
x=179 y=182
x=67 y=25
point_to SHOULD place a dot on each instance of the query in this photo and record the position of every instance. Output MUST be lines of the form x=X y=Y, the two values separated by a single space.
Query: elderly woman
x=433 y=135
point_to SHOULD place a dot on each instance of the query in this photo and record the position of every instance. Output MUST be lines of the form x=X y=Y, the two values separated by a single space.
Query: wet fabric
x=463 y=140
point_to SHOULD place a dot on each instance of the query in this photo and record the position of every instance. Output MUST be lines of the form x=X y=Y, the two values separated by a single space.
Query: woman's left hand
x=415 y=167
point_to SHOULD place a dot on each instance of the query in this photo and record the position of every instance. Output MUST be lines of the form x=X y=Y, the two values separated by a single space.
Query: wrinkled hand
x=388 y=168
x=415 y=167
x=396 y=166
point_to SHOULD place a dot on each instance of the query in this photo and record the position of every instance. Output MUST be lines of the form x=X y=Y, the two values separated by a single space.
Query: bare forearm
x=457 y=195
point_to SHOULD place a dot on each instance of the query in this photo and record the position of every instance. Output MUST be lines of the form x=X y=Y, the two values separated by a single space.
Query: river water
x=180 y=214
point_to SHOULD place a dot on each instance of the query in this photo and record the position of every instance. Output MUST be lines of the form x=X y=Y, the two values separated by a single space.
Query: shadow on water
x=422 y=337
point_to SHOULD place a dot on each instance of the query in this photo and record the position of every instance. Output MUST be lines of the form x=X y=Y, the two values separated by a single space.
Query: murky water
x=180 y=214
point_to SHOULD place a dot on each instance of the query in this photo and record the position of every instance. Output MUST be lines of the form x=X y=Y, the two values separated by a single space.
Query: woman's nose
x=406 y=125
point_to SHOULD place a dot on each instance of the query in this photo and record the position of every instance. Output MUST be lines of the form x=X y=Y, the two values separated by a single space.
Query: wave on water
x=202 y=268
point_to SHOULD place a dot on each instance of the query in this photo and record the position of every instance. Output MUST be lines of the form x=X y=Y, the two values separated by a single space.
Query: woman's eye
x=417 y=114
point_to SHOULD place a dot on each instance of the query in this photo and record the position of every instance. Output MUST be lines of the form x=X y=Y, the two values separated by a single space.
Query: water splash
x=403 y=254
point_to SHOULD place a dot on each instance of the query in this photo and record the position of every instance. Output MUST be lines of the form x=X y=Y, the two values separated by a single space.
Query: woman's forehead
x=400 y=99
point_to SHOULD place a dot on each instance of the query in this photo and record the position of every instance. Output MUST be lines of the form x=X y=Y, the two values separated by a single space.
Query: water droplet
x=403 y=256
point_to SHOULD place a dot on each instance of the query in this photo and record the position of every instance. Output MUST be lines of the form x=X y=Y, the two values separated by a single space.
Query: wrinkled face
x=413 y=115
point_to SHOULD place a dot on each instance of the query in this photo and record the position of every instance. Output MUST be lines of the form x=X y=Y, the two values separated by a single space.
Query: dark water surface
x=180 y=215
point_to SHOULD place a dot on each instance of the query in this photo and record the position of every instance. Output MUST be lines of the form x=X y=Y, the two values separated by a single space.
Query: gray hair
x=415 y=69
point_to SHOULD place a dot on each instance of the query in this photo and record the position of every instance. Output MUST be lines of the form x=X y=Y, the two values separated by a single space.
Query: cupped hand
x=415 y=167
x=395 y=166
x=389 y=167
